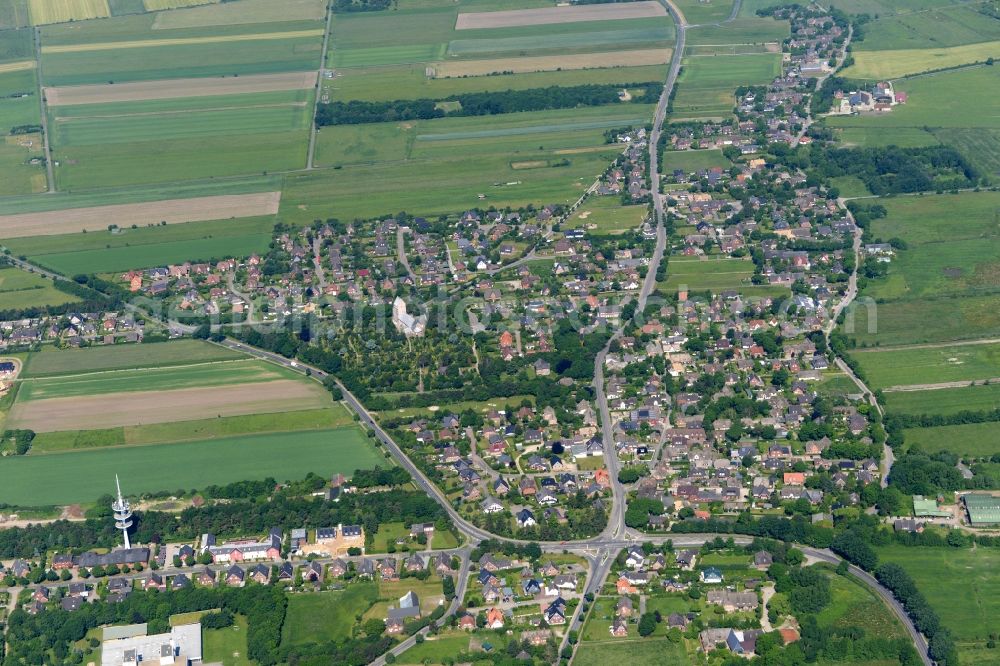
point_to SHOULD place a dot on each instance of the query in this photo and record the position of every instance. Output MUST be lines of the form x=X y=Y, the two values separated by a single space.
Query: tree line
x=354 y=112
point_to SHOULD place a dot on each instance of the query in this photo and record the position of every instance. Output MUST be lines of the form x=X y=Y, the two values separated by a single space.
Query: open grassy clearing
x=970 y=439
x=175 y=211
x=914 y=321
x=901 y=367
x=949 y=25
x=707 y=83
x=712 y=11
x=16 y=48
x=62 y=11
x=243 y=12
x=853 y=602
x=326 y=616
x=903 y=62
x=14 y=14
x=693 y=160
x=410 y=81
x=904 y=137
x=979 y=145
x=19 y=106
x=82 y=476
x=437 y=649
x=604 y=40
x=944 y=401
x=52 y=362
x=850 y=186
x=712 y=274
x=960 y=585
x=146 y=247
x=325 y=418
x=211 y=373
x=226 y=646
x=757 y=30
x=607 y=215
x=555 y=15
x=179 y=88
x=638 y=652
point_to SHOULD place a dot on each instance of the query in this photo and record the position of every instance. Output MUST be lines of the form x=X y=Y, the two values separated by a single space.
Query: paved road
x=319 y=88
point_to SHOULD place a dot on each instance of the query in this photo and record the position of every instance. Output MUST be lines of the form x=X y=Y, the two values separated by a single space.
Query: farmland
x=80 y=476
x=19 y=107
x=547 y=15
x=61 y=11
x=968 y=440
x=20 y=289
x=707 y=84
x=944 y=401
x=903 y=62
x=943 y=26
x=959 y=584
x=606 y=215
x=930 y=365
x=51 y=362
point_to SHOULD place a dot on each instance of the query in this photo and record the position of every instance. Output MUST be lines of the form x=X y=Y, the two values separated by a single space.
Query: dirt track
x=173 y=211
x=143 y=407
x=635 y=57
x=171 y=88
x=550 y=15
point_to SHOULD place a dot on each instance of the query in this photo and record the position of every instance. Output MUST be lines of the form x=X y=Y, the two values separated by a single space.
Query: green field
x=904 y=137
x=145 y=247
x=961 y=585
x=852 y=604
x=713 y=11
x=226 y=646
x=693 y=160
x=713 y=274
x=756 y=30
x=82 y=476
x=914 y=321
x=436 y=650
x=953 y=25
x=707 y=84
x=219 y=373
x=944 y=401
x=326 y=616
x=970 y=439
x=906 y=62
x=640 y=652
x=929 y=365
x=20 y=289
x=183 y=139
x=50 y=362
x=607 y=215
x=979 y=145
x=333 y=416
x=19 y=107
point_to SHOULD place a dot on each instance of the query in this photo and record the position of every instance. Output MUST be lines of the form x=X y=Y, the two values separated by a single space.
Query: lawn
x=970 y=439
x=944 y=401
x=900 y=367
x=716 y=274
x=82 y=476
x=961 y=585
x=641 y=652
x=904 y=137
x=913 y=321
x=226 y=646
x=607 y=215
x=50 y=362
x=326 y=616
x=837 y=384
x=20 y=289
x=439 y=649
x=145 y=247
x=693 y=160
x=388 y=533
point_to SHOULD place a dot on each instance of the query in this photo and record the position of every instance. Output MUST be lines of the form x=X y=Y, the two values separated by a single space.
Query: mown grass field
x=948 y=25
x=81 y=476
x=639 y=652
x=21 y=289
x=607 y=215
x=904 y=137
x=696 y=11
x=920 y=320
x=693 y=160
x=107 y=252
x=969 y=439
x=227 y=646
x=18 y=107
x=900 y=367
x=713 y=274
x=944 y=401
x=960 y=584
x=326 y=616
x=756 y=30
x=438 y=649
x=51 y=362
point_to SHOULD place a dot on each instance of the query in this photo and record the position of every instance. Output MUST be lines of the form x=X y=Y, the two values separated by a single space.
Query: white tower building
x=123 y=513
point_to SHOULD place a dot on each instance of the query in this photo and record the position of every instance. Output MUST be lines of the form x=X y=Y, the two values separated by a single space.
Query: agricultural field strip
x=178 y=88
x=144 y=407
x=179 y=41
x=535 y=129
x=20 y=66
x=630 y=58
x=173 y=211
x=904 y=62
x=554 y=15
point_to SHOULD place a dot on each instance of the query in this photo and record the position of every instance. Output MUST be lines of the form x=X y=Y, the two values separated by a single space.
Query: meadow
x=944 y=401
x=18 y=107
x=904 y=62
x=948 y=25
x=20 y=289
x=14 y=14
x=227 y=646
x=929 y=365
x=714 y=274
x=326 y=616
x=960 y=585
x=693 y=160
x=756 y=30
x=969 y=439
x=696 y=11
x=51 y=362
x=82 y=476
x=919 y=320
x=706 y=86
x=607 y=215
x=145 y=247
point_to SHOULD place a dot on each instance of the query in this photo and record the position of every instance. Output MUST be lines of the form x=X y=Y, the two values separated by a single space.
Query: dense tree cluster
x=346 y=6
x=356 y=112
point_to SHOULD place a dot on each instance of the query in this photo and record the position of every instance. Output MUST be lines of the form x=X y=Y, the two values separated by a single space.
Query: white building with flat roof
x=131 y=645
